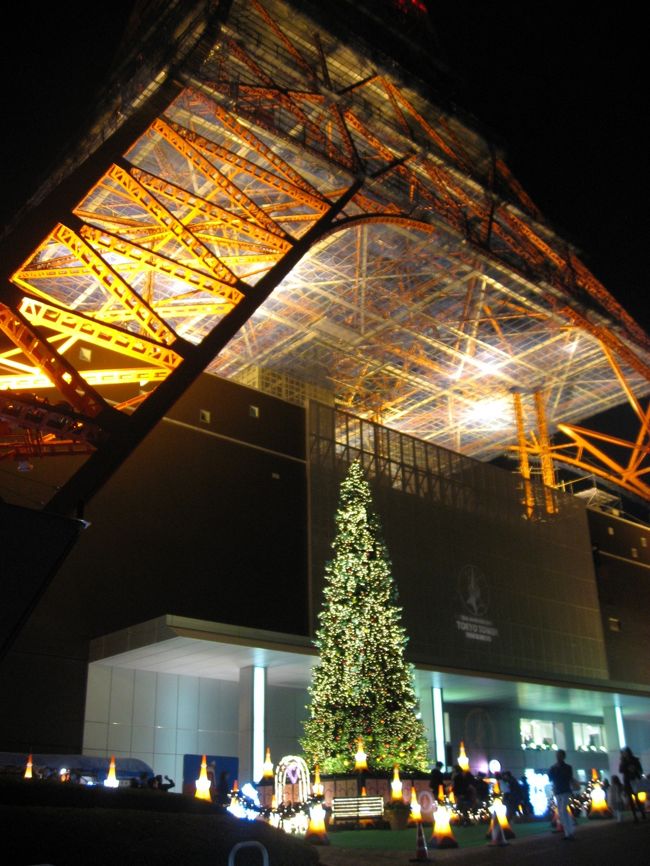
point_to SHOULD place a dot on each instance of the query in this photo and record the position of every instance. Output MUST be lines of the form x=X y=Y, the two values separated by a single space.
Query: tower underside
x=282 y=210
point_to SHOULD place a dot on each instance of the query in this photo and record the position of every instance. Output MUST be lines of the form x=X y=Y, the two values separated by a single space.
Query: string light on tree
x=363 y=686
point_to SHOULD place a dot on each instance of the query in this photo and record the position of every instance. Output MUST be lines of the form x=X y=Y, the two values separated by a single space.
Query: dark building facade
x=203 y=560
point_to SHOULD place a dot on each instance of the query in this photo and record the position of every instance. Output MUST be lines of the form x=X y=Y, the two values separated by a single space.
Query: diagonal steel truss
x=284 y=207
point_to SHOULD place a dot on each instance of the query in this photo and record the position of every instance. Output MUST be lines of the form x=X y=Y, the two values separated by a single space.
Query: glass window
x=589 y=737
x=538 y=734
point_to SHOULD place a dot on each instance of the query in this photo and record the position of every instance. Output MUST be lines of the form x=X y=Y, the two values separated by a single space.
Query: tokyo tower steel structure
x=263 y=201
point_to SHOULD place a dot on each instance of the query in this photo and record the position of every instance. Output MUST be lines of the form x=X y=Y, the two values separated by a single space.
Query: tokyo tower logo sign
x=474 y=593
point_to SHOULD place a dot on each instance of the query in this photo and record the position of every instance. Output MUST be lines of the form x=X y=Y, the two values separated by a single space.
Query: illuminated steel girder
x=39 y=415
x=110 y=280
x=281 y=201
x=194 y=279
x=219 y=216
x=191 y=245
x=64 y=321
x=594 y=452
x=61 y=374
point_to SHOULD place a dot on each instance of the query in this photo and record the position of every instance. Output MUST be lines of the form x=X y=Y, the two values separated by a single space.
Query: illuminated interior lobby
x=279 y=256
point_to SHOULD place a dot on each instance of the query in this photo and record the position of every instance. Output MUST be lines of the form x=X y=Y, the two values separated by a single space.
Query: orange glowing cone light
x=28 y=768
x=442 y=836
x=316 y=831
x=463 y=760
x=454 y=817
x=317 y=788
x=496 y=833
x=598 y=807
x=111 y=780
x=360 y=759
x=396 y=786
x=415 y=816
x=267 y=766
x=203 y=783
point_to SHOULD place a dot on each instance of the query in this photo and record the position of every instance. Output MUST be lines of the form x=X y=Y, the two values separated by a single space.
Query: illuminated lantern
x=316 y=831
x=598 y=807
x=442 y=836
x=28 y=768
x=463 y=760
x=360 y=762
x=416 y=812
x=111 y=780
x=267 y=766
x=318 y=785
x=203 y=783
x=396 y=786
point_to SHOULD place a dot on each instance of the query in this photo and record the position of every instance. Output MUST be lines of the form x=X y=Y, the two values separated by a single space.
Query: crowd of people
x=471 y=791
x=622 y=793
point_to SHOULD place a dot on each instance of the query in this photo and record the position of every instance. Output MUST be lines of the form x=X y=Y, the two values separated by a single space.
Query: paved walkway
x=602 y=843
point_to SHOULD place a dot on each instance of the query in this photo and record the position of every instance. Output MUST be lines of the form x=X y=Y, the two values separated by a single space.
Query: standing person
x=561 y=776
x=436 y=779
x=631 y=770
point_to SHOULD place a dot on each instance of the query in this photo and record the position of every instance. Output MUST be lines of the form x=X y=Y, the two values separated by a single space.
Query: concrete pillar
x=252 y=723
x=425 y=704
x=615 y=732
x=438 y=726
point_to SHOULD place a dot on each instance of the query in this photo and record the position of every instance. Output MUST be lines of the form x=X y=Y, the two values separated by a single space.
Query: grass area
x=405 y=840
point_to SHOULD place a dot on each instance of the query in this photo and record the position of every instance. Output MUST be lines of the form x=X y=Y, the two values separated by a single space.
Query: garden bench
x=355 y=809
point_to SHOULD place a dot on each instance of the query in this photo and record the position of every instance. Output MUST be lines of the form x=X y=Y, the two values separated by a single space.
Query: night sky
x=560 y=90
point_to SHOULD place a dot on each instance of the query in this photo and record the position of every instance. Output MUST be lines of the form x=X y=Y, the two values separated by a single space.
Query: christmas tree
x=363 y=686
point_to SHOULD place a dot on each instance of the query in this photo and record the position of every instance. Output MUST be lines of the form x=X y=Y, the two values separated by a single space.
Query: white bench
x=356 y=809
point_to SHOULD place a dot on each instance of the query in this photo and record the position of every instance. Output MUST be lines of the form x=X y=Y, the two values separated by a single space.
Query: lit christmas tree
x=363 y=686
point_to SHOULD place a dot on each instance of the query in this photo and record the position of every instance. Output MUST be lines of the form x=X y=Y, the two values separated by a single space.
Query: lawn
x=404 y=840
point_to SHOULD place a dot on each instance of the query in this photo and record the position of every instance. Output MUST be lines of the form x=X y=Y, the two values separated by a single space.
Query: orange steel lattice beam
x=282 y=202
x=595 y=452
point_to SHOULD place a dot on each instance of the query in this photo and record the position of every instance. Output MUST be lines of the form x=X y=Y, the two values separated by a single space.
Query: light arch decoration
x=293 y=768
